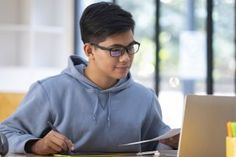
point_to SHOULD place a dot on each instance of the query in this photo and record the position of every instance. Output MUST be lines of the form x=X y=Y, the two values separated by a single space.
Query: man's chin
x=122 y=76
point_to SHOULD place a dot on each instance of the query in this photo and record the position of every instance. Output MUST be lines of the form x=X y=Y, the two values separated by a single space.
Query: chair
x=8 y=103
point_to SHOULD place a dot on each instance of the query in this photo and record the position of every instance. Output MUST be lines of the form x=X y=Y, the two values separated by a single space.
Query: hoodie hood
x=76 y=67
x=102 y=97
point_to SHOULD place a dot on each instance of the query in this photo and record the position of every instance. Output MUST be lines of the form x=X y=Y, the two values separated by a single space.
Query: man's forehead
x=122 y=39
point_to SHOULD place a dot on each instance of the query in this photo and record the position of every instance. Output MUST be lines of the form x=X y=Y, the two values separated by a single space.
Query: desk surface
x=168 y=153
x=128 y=155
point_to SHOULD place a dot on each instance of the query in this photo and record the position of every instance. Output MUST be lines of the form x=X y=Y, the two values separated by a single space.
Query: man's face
x=109 y=67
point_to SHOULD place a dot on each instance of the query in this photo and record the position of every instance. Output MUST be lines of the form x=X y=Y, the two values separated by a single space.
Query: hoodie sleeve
x=153 y=124
x=29 y=121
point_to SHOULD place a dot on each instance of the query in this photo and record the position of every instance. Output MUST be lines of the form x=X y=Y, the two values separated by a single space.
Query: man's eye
x=116 y=52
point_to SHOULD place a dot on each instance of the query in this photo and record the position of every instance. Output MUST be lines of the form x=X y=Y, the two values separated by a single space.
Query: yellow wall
x=9 y=103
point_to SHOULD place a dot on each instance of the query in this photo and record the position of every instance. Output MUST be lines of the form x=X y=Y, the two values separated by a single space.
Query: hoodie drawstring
x=95 y=110
x=108 y=111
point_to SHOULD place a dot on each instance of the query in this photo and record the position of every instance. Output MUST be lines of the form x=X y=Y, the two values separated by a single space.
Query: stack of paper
x=168 y=134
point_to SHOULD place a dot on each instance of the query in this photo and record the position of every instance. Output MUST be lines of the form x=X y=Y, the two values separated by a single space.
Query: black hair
x=102 y=19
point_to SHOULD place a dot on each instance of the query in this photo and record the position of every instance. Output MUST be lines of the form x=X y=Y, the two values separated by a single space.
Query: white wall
x=13 y=79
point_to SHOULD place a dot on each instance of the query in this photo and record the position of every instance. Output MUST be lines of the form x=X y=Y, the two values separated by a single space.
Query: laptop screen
x=204 y=125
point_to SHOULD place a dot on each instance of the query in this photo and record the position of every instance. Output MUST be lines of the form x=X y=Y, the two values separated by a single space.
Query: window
x=183 y=49
x=224 y=47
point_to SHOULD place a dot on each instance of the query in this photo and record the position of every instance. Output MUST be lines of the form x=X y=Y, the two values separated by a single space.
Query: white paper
x=168 y=134
x=155 y=152
x=160 y=153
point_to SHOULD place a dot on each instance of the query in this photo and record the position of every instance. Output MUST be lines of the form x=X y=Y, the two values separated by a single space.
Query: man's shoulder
x=50 y=79
x=54 y=81
x=140 y=88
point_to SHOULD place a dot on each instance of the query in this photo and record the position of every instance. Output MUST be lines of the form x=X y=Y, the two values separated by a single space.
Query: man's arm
x=29 y=120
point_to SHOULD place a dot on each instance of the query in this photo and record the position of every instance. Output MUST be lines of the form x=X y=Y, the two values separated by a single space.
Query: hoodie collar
x=75 y=69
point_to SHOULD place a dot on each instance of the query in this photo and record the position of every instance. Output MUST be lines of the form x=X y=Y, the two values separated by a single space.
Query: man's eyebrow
x=119 y=45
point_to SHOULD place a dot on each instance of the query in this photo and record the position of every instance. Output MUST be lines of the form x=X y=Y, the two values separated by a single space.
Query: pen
x=52 y=127
x=55 y=129
x=229 y=129
x=233 y=125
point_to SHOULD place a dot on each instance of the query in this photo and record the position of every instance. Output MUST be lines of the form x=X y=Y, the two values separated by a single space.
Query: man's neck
x=99 y=80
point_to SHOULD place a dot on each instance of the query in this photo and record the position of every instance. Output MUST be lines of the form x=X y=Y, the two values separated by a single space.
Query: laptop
x=204 y=131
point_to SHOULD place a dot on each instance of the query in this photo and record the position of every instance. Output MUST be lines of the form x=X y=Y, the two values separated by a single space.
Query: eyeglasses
x=131 y=49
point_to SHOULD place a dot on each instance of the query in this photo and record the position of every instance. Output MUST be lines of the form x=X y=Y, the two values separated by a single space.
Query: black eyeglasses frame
x=122 y=49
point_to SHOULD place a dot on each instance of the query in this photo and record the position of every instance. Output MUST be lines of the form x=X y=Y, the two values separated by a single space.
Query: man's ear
x=88 y=49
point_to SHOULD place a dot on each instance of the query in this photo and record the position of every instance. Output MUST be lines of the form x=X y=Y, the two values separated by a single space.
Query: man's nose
x=125 y=57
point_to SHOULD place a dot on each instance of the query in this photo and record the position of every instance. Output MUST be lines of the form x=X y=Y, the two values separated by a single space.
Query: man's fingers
x=54 y=148
x=70 y=145
x=62 y=141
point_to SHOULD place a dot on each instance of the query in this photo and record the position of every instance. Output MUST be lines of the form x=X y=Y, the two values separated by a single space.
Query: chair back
x=8 y=103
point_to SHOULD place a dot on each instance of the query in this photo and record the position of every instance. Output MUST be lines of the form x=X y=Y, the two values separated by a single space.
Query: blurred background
x=187 y=46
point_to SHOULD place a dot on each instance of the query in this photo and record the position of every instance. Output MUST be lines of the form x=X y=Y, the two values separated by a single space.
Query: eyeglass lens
x=119 y=51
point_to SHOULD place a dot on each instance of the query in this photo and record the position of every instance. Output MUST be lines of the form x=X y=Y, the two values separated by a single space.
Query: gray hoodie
x=95 y=120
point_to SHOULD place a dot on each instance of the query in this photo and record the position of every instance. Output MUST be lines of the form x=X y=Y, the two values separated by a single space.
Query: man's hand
x=172 y=141
x=53 y=142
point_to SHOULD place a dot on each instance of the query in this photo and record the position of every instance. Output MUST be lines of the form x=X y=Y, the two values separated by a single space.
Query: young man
x=94 y=106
